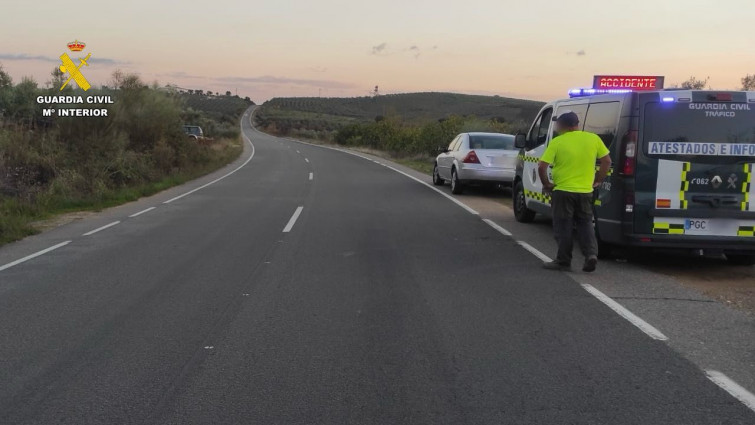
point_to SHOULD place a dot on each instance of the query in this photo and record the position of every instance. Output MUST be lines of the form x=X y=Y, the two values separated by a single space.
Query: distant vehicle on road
x=194 y=132
x=684 y=169
x=476 y=158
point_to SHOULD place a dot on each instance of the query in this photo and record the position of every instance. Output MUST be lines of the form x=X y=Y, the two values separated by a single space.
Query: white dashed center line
x=99 y=229
x=35 y=255
x=142 y=212
x=311 y=176
x=293 y=219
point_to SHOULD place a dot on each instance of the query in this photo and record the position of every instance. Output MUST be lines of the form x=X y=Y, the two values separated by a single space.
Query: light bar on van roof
x=592 y=92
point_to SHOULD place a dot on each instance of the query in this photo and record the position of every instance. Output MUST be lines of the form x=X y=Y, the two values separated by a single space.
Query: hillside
x=285 y=115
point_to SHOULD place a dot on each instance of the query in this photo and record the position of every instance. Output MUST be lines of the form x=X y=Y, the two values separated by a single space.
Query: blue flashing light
x=668 y=99
x=591 y=92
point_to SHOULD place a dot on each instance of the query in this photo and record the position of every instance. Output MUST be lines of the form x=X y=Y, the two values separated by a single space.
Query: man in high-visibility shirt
x=573 y=155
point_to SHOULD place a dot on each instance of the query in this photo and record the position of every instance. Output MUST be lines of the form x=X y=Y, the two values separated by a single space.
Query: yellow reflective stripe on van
x=538 y=196
x=668 y=229
x=746 y=231
x=746 y=187
x=527 y=158
x=684 y=186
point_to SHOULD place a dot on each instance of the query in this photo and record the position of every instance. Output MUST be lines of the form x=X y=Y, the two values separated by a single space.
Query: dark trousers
x=572 y=210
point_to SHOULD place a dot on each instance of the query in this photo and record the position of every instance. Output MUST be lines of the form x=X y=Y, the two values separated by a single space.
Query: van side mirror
x=520 y=141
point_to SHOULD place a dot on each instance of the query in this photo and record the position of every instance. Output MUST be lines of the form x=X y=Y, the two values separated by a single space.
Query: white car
x=476 y=158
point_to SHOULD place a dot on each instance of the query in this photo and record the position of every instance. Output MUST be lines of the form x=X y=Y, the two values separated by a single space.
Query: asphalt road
x=314 y=286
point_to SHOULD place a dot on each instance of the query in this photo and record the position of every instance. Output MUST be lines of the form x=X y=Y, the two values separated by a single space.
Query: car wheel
x=741 y=259
x=437 y=180
x=521 y=212
x=457 y=188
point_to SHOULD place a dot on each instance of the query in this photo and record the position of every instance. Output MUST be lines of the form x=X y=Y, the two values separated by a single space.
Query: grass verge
x=19 y=218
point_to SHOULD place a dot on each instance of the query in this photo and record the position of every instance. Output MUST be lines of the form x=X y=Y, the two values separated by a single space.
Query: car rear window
x=491 y=141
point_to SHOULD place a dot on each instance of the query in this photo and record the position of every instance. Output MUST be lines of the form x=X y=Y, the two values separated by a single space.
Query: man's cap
x=568 y=119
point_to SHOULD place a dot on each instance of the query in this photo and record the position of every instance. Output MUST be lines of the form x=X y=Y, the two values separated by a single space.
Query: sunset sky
x=264 y=49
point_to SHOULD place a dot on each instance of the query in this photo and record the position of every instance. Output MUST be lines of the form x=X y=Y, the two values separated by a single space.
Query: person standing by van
x=573 y=155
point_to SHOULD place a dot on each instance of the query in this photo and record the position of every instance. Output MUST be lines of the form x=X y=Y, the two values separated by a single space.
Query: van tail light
x=629 y=157
x=471 y=158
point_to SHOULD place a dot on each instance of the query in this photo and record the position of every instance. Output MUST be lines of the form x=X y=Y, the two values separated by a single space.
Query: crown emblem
x=76 y=46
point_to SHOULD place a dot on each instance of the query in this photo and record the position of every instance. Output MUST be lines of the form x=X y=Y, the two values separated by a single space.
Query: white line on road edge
x=454 y=200
x=311 y=176
x=535 y=251
x=221 y=177
x=623 y=312
x=497 y=227
x=91 y=232
x=739 y=392
x=142 y=212
x=35 y=255
x=292 y=221
x=306 y=159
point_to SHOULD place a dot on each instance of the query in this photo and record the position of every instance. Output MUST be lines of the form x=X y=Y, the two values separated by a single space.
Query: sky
x=336 y=48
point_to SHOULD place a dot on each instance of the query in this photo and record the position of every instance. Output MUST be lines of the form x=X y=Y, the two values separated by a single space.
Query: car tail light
x=471 y=158
x=630 y=153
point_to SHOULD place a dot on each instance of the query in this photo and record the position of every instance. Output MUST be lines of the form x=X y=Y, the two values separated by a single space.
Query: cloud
x=380 y=48
x=414 y=50
x=39 y=58
x=318 y=69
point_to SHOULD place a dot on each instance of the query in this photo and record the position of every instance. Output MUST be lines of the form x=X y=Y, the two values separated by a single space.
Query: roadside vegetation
x=53 y=165
x=406 y=127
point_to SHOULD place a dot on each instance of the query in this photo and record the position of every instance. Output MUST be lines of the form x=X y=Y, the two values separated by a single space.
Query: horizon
x=336 y=49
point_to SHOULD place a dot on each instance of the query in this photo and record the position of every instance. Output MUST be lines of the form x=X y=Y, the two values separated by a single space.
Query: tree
x=695 y=84
x=23 y=105
x=5 y=80
x=228 y=93
x=748 y=82
x=57 y=79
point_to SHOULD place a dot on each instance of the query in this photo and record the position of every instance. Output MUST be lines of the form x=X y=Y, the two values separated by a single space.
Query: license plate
x=697 y=226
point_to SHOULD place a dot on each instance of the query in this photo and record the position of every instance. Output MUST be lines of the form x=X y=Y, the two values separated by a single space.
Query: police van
x=682 y=174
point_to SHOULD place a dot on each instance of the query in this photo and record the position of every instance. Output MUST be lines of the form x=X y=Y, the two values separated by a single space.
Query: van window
x=539 y=132
x=602 y=119
x=580 y=110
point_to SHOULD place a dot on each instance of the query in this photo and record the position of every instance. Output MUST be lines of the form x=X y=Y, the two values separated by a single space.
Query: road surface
x=305 y=285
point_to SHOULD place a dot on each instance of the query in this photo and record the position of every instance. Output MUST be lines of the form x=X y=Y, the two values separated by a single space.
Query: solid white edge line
x=626 y=314
x=737 y=391
x=221 y=177
x=292 y=220
x=535 y=251
x=311 y=176
x=91 y=232
x=500 y=229
x=454 y=200
x=142 y=212
x=35 y=255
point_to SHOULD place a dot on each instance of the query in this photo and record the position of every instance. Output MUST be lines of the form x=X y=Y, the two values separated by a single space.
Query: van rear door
x=694 y=176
